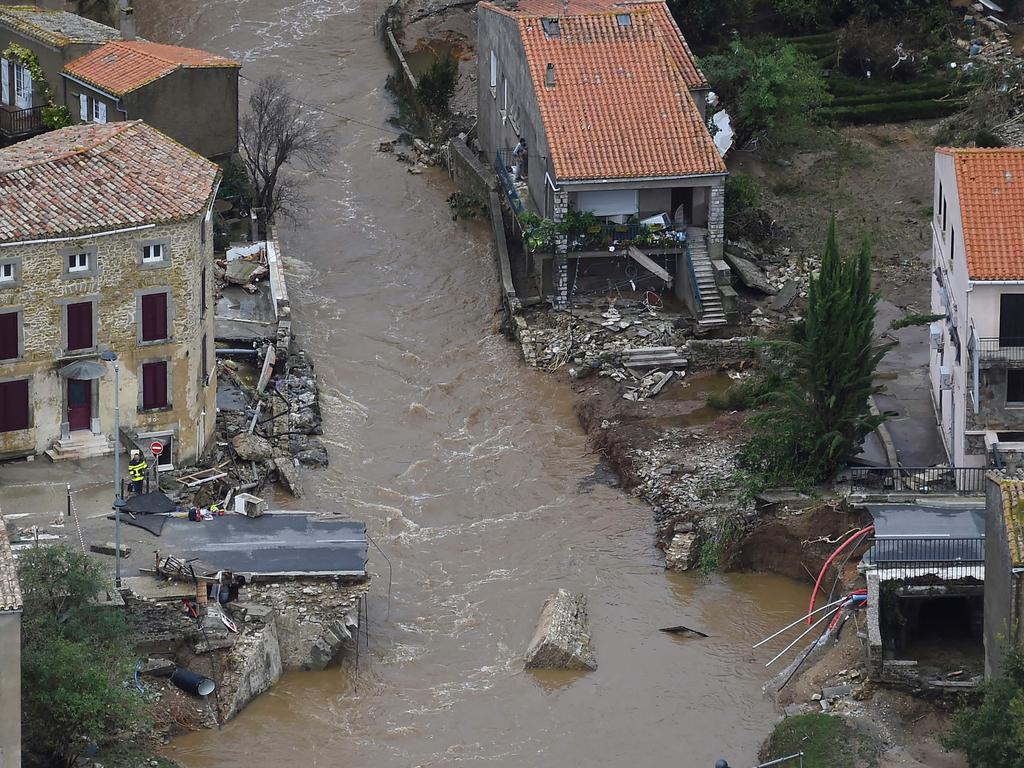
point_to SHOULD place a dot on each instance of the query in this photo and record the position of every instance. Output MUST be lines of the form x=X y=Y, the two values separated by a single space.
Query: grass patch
x=915 y=318
x=715 y=546
x=827 y=741
x=744 y=394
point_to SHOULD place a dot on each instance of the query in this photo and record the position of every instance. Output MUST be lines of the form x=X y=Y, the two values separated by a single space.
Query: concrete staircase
x=712 y=312
x=81 y=444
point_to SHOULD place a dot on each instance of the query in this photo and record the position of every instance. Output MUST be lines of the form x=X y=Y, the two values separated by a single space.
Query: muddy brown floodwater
x=471 y=472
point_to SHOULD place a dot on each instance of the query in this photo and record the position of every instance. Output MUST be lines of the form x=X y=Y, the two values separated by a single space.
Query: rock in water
x=562 y=639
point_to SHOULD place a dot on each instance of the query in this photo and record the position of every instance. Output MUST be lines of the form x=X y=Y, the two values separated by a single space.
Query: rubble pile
x=780 y=275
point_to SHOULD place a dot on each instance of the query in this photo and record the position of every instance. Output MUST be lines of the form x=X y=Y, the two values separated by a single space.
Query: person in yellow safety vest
x=137 y=468
x=215 y=509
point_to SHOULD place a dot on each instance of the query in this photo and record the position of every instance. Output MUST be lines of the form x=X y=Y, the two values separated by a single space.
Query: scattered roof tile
x=990 y=183
x=89 y=178
x=621 y=105
x=10 y=591
x=58 y=28
x=124 y=65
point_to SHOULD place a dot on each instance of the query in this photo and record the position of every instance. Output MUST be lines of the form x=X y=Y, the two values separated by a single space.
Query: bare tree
x=275 y=131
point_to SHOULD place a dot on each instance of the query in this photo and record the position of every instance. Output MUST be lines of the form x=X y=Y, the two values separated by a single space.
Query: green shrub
x=992 y=733
x=771 y=90
x=55 y=116
x=76 y=662
x=985 y=138
x=436 y=86
x=915 y=318
x=896 y=112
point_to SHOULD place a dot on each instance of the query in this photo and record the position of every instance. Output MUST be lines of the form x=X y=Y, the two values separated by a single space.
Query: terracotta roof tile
x=89 y=178
x=661 y=16
x=1012 y=493
x=10 y=591
x=58 y=28
x=620 y=106
x=124 y=65
x=990 y=183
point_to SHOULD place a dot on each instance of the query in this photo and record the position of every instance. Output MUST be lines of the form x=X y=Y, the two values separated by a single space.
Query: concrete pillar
x=716 y=222
x=560 y=272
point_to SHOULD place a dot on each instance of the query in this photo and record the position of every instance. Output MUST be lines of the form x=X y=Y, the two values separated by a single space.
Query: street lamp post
x=111 y=357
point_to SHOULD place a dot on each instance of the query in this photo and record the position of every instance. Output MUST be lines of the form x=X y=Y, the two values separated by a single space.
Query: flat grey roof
x=57 y=28
x=276 y=544
x=965 y=521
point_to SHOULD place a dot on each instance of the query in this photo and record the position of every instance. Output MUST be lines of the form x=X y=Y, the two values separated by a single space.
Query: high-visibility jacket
x=137 y=471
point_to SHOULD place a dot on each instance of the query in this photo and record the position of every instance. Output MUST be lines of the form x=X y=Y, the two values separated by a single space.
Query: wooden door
x=79 y=404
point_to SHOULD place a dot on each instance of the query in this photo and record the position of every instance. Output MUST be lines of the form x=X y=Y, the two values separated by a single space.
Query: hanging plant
x=53 y=115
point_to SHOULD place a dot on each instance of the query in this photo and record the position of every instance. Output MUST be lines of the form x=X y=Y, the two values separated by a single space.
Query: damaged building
x=925 y=573
x=106 y=251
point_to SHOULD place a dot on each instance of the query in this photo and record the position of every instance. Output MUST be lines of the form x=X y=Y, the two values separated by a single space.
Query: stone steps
x=80 y=445
x=653 y=357
x=712 y=311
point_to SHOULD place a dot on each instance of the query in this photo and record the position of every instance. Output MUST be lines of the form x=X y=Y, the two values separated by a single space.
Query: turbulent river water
x=472 y=473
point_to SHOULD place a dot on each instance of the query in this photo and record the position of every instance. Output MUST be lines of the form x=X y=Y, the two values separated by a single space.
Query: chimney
x=549 y=76
x=126 y=20
x=565 y=7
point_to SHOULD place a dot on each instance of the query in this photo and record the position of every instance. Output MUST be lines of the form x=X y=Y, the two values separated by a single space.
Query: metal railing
x=1007 y=350
x=922 y=480
x=599 y=237
x=20 y=122
x=908 y=557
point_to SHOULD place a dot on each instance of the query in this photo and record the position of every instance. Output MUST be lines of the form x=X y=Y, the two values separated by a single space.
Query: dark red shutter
x=154 y=317
x=154 y=385
x=8 y=336
x=80 y=326
x=13 y=405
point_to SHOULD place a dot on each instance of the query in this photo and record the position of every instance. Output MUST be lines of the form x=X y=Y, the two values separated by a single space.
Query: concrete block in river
x=562 y=639
x=681 y=554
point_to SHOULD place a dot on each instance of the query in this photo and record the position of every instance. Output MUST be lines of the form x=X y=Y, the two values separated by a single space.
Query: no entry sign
x=156 y=447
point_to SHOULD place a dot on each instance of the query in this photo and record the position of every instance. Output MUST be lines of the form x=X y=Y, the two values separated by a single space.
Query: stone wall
x=716 y=221
x=311 y=617
x=10 y=688
x=115 y=284
x=257 y=667
x=469 y=173
x=716 y=353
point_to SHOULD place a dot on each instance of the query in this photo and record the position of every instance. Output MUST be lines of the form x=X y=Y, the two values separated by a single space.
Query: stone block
x=682 y=552
x=251 y=447
x=562 y=638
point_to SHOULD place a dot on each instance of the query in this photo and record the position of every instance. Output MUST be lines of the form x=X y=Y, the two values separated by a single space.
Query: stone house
x=611 y=103
x=54 y=38
x=977 y=349
x=168 y=86
x=10 y=656
x=106 y=245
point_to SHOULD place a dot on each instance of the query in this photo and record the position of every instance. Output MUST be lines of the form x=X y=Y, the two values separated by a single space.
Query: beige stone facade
x=115 y=282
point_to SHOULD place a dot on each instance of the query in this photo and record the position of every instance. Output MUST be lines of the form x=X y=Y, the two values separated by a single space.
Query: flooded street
x=472 y=474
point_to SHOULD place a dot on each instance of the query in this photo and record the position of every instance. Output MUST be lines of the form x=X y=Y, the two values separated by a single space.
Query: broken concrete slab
x=242 y=271
x=682 y=552
x=252 y=447
x=749 y=273
x=157 y=667
x=562 y=638
x=109 y=548
x=785 y=297
x=288 y=475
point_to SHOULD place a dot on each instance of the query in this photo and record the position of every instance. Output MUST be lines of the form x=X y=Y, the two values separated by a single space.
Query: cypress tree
x=819 y=417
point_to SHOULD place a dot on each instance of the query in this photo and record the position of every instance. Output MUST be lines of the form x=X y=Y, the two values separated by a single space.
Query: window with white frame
x=7 y=272
x=153 y=253
x=91 y=110
x=78 y=262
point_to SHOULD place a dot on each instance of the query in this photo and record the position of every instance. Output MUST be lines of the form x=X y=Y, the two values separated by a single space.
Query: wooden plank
x=640 y=258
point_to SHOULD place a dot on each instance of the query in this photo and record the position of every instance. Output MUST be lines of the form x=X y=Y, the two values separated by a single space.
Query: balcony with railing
x=961 y=481
x=20 y=123
x=1000 y=350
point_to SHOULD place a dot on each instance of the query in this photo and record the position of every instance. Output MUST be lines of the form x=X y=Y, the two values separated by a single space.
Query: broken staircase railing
x=921 y=480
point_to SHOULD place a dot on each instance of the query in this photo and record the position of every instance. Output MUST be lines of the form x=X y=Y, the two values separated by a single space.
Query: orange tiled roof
x=122 y=66
x=661 y=16
x=990 y=183
x=620 y=106
x=89 y=178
